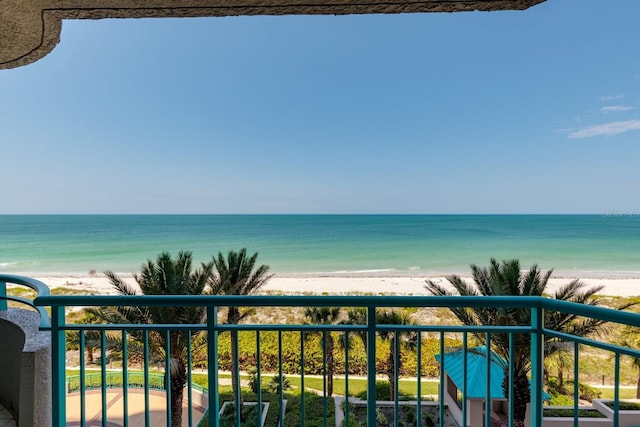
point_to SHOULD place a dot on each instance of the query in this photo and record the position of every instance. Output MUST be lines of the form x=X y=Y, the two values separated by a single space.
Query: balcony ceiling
x=30 y=29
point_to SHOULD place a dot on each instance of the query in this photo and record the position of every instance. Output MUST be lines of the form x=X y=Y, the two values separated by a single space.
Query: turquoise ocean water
x=598 y=245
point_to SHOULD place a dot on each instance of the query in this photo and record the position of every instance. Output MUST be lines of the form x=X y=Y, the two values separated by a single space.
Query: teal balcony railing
x=132 y=343
x=39 y=288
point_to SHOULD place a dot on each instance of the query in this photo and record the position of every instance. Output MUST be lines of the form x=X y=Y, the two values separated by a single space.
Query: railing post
x=3 y=294
x=371 y=366
x=58 y=365
x=212 y=368
x=537 y=351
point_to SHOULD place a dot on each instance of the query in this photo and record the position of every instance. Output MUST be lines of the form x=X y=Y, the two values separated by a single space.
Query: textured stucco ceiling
x=30 y=29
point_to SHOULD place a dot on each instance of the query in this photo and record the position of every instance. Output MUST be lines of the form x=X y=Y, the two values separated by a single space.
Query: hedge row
x=313 y=359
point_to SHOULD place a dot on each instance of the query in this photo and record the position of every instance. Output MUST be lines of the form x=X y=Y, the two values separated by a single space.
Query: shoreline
x=349 y=283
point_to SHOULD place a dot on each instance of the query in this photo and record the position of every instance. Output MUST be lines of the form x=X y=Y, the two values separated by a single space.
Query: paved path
x=115 y=409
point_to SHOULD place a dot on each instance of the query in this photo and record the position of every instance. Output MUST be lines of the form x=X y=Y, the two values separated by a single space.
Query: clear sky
x=503 y=112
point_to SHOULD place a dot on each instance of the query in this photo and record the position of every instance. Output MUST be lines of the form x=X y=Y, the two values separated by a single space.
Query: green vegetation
x=562 y=395
x=383 y=392
x=228 y=415
x=315 y=407
x=325 y=316
x=357 y=386
x=407 y=416
x=115 y=379
x=568 y=412
x=21 y=291
x=323 y=355
x=165 y=276
x=630 y=337
x=397 y=340
x=313 y=361
x=235 y=275
x=507 y=279
x=624 y=406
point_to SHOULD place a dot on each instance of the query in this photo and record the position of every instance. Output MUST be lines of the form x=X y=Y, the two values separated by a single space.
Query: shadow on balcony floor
x=115 y=408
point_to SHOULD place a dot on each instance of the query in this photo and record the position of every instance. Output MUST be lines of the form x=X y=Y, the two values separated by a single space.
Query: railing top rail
x=288 y=301
x=607 y=314
x=617 y=316
x=39 y=287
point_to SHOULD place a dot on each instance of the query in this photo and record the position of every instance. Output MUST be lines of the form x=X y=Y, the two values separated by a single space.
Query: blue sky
x=504 y=112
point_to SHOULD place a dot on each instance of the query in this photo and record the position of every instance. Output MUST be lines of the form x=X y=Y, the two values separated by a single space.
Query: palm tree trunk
x=520 y=394
x=235 y=373
x=330 y=363
x=176 y=406
x=545 y=375
x=638 y=388
x=233 y=318
x=560 y=377
x=391 y=369
x=178 y=379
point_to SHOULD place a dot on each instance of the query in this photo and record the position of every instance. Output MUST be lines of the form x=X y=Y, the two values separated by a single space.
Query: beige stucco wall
x=12 y=339
x=25 y=368
x=30 y=29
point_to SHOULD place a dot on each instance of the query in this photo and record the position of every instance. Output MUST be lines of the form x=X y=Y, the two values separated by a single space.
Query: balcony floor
x=6 y=419
x=157 y=405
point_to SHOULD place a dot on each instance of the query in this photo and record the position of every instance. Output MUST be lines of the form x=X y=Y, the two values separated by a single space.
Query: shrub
x=624 y=406
x=313 y=362
x=314 y=407
x=381 y=418
x=228 y=417
x=274 y=384
x=560 y=400
x=382 y=391
x=253 y=380
x=588 y=393
x=568 y=412
x=429 y=421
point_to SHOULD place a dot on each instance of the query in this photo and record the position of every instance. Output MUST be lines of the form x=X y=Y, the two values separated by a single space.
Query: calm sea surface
x=292 y=244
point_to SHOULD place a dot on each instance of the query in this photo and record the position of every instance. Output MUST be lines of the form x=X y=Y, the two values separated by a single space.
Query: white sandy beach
x=339 y=285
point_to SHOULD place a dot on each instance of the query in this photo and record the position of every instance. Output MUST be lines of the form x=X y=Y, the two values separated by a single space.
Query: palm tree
x=506 y=279
x=395 y=338
x=92 y=338
x=358 y=316
x=325 y=316
x=165 y=276
x=629 y=337
x=236 y=276
x=557 y=355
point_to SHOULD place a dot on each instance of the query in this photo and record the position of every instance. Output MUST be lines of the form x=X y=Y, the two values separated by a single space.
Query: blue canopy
x=477 y=372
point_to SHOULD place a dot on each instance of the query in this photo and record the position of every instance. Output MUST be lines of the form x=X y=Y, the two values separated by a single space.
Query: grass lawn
x=356 y=385
x=625 y=393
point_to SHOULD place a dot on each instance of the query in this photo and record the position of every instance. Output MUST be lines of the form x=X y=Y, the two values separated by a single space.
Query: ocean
x=593 y=245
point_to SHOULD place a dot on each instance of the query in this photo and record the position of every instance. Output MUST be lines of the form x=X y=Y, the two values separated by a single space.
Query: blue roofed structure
x=477 y=374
